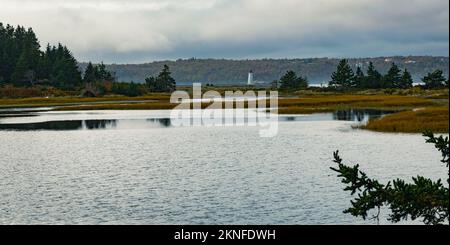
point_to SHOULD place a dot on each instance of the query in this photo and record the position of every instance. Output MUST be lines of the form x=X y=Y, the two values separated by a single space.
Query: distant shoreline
x=265 y=59
x=234 y=72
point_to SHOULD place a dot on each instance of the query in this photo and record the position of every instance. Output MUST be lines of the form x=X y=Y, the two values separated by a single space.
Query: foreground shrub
x=422 y=199
x=9 y=91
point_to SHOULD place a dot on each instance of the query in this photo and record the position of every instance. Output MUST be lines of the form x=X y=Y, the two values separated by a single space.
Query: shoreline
x=434 y=116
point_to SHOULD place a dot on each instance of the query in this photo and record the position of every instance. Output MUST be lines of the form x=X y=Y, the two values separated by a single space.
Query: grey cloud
x=137 y=31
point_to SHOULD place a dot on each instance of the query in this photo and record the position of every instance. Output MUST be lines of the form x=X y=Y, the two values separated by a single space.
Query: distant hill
x=222 y=71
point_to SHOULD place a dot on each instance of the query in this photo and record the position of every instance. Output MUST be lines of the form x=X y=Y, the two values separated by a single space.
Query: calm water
x=135 y=167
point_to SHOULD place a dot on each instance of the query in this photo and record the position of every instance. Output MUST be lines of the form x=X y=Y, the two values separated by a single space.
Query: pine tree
x=2 y=55
x=21 y=69
x=22 y=63
x=10 y=54
x=435 y=79
x=290 y=81
x=374 y=78
x=45 y=64
x=162 y=83
x=360 y=78
x=90 y=74
x=393 y=78
x=27 y=64
x=421 y=198
x=406 y=81
x=343 y=76
x=31 y=44
x=19 y=54
x=65 y=73
x=103 y=74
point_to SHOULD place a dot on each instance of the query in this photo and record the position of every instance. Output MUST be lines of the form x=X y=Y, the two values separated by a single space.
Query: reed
x=54 y=101
x=415 y=121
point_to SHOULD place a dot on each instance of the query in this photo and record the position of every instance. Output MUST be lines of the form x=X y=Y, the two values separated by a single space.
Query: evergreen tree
x=65 y=73
x=360 y=78
x=103 y=74
x=393 y=78
x=45 y=64
x=32 y=46
x=90 y=74
x=23 y=64
x=287 y=81
x=406 y=81
x=162 y=83
x=27 y=64
x=22 y=68
x=2 y=58
x=10 y=53
x=374 y=78
x=343 y=76
x=435 y=79
x=422 y=198
x=97 y=73
x=290 y=81
x=19 y=54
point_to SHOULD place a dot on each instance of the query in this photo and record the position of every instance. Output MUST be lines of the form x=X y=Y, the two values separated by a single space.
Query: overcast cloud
x=125 y=31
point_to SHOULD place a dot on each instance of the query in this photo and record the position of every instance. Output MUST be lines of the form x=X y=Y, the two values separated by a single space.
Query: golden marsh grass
x=416 y=121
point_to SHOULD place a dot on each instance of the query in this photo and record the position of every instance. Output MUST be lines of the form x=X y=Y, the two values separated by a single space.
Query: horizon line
x=260 y=59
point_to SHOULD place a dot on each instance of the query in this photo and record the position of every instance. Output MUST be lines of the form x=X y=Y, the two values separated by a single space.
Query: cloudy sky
x=134 y=31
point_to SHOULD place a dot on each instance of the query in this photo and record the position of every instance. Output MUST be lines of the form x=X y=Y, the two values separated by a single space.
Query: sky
x=126 y=31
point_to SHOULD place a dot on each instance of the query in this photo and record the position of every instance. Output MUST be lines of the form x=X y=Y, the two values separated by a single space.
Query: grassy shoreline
x=415 y=121
x=407 y=120
x=61 y=101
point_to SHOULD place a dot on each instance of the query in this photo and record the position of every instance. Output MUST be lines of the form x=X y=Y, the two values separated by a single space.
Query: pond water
x=136 y=167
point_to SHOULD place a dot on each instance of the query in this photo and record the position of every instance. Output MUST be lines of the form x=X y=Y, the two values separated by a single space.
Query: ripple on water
x=196 y=175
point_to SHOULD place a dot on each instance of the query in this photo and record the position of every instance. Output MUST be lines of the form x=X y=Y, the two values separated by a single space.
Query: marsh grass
x=155 y=105
x=287 y=105
x=55 y=101
x=414 y=121
x=313 y=104
x=119 y=106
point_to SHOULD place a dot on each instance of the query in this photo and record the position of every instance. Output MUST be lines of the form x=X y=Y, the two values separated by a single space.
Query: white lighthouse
x=250 y=78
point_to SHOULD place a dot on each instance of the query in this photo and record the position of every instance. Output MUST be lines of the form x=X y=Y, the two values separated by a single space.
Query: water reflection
x=164 y=122
x=92 y=124
x=60 y=125
x=359 y=115
x=6 y=115
x=352 y=115
x=99 y=124
x=85 y=124
x=289 y=119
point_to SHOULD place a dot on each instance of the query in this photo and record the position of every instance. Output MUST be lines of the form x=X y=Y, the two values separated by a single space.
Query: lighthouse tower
x=250 y=78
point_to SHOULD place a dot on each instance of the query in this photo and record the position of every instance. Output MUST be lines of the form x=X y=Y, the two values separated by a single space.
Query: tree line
x=234 y=72
x=344 y=77
x=24 y=64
